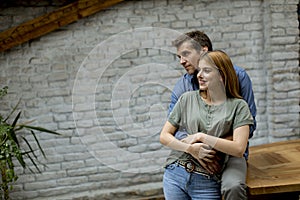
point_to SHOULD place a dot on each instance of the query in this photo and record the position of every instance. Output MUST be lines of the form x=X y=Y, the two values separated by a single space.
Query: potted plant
x=11 y=149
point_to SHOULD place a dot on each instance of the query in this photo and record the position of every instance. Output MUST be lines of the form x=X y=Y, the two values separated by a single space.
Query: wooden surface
x=274 y=168
x=273 y=172
x=51 y=21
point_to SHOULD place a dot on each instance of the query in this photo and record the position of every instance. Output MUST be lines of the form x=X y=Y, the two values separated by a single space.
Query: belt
x=191 y=167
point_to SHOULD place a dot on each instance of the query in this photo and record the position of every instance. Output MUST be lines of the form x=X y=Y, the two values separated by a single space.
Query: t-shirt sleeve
x=242 y=115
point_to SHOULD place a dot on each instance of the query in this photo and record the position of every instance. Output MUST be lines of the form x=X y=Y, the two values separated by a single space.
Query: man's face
x=188 y=57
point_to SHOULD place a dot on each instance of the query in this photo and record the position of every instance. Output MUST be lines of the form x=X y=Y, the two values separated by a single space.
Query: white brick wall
x=125 y=72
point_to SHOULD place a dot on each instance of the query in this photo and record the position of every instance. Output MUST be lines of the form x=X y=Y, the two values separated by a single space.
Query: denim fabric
x=178 y=184
x=247 y=94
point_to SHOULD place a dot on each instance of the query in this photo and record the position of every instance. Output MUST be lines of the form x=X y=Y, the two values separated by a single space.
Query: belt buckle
x=189 y=166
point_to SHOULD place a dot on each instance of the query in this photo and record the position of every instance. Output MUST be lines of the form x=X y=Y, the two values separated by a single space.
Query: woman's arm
x=236 y=147
x=167 y=138
x=198 y=150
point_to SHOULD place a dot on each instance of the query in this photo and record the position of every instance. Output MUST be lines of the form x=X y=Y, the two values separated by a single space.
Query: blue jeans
x=178 y=184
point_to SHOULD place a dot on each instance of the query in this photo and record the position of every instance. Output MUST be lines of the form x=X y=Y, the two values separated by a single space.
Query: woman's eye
x=206 y=70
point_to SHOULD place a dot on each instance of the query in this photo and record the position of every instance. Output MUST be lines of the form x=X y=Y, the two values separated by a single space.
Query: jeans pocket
x=170 y=166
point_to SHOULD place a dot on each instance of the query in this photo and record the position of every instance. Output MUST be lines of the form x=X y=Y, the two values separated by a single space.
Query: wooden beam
x=51 y=21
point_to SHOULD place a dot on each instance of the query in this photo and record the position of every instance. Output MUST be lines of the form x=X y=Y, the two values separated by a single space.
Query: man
x=189 y=48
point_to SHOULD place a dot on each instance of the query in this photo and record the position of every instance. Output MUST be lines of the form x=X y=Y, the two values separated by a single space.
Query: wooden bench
x=274 y=171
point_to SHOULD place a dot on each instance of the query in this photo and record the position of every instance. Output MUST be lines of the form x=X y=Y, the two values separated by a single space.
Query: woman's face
x=208 y=75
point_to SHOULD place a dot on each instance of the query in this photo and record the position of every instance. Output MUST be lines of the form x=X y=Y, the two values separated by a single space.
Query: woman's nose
x=199 y=74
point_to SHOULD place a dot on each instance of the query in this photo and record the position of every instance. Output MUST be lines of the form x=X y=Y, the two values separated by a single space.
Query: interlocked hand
x=204 y=153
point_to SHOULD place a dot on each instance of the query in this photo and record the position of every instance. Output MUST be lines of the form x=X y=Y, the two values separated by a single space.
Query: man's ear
x=205 y=48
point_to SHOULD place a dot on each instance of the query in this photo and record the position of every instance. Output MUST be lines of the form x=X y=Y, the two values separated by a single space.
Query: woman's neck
x=211 y=98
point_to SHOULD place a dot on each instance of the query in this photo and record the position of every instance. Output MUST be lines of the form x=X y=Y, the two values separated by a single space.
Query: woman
x=214 y=112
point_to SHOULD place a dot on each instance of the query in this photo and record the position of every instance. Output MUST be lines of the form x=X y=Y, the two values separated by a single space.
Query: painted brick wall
x=104 y=82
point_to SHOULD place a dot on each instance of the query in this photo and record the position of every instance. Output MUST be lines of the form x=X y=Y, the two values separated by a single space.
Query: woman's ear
x=221 y=79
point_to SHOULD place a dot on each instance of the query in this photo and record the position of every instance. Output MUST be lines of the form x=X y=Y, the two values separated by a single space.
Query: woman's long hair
x=222 y=61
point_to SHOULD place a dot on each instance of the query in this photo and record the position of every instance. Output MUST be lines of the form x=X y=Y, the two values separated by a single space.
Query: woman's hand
x=206 y=156
x=201 y=151
x=191 y=139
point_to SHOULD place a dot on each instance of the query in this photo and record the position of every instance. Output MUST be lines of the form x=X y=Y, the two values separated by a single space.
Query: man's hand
x=213 y=166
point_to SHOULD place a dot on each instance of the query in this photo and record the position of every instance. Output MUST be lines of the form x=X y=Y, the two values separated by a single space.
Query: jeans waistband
x=191 y=167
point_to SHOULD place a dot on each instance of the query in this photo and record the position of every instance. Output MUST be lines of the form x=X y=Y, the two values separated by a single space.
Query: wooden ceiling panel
x=52 y=21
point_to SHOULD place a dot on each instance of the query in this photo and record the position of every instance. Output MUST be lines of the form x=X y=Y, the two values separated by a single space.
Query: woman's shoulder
x=238 y=101
x=190 y=94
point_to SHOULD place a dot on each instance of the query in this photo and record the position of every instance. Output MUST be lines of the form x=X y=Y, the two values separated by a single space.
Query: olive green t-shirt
x=193 y=115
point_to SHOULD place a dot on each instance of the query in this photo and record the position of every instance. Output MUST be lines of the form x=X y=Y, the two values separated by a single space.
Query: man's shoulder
x=239 y=69
x=185 y=78
x=241 y=73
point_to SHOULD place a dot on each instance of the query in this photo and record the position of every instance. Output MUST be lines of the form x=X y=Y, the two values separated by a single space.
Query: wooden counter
x=274 y=171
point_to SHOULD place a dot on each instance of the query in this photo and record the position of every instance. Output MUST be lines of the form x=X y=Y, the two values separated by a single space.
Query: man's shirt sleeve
x=247 y=94
x=176 y=93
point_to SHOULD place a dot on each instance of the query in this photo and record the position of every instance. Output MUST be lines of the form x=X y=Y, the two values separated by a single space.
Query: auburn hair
x=222 y=61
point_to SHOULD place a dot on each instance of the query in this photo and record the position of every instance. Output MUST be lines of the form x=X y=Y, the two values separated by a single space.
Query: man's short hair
x=198 y=39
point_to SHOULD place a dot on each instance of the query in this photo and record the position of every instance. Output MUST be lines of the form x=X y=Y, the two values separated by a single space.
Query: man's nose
x=182 y=60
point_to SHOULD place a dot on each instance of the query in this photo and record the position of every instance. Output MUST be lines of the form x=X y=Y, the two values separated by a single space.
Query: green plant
x=11 y=150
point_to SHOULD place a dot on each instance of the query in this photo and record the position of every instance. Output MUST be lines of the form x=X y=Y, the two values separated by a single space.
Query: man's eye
x=184 y=54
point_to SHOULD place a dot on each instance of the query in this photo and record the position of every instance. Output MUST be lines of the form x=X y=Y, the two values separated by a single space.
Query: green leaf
x=40 y=129
x=13 y=110
x=4 y=129
x=16 y=120
x=3 y=91
x=12 y=136
x=10 y=174
x=37 y=141
x=33 y=162
x=19 y=157
x=29 y=146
